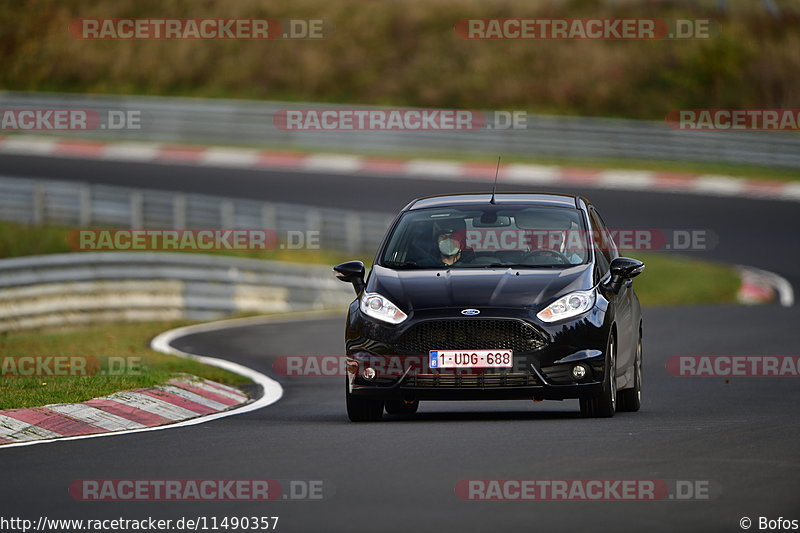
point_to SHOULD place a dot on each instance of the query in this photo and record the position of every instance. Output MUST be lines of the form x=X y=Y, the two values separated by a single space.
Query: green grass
x=100 y=341
x=17 y=240
x=671 y=279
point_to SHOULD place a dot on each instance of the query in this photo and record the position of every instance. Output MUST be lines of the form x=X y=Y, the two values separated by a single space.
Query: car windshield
x=491 y=236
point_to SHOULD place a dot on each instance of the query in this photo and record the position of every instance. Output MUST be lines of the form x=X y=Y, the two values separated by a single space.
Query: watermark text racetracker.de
x=730 y=366
x=194 y=490
x=191 y=239
x=62 y=120
x=45 y=366
x=198 y=29
x=734 y=119
x=400 y=119
x=584 y=29
x=585 y=489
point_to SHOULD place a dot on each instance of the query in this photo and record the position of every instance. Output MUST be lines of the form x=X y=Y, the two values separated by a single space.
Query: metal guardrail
x=91 y=287
x=246 y=122
x=64 y=203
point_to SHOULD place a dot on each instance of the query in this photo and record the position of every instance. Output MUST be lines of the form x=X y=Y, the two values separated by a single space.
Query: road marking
x=192 y=397
x=433 y=168
x=19 y=431
x=152 y=405
x=131 y=151
x=208 y=392
x=217 y=388
x=272 y=391
x=720 y=185
x=626 y=179
x=129 y=412
x=94 y=416
x=518 y=173
x=333 y=163
x=30 y=145
x=229 y=157
x=778 y=283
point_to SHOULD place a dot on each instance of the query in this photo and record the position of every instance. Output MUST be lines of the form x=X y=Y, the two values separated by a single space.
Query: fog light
x=369 y=373
x=578 y=372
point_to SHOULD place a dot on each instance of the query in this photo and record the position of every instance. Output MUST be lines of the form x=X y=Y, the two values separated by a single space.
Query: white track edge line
x=777 y=282
x=161 y=343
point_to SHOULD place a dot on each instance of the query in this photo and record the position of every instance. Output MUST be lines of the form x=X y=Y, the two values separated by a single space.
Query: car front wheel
x=631 y=399
x=604 y=404
x=363 y=408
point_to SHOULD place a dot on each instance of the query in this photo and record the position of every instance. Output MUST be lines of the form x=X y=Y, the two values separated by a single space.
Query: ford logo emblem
x=470 y=312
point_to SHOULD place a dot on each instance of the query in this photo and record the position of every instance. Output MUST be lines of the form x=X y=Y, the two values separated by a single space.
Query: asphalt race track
x=737 y=435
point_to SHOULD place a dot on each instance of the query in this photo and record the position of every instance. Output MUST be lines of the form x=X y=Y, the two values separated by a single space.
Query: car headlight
x=567 y=306
x=374 y=305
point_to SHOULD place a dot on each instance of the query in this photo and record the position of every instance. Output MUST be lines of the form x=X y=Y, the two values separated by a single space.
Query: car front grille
x=486 y=380
x=470 y=334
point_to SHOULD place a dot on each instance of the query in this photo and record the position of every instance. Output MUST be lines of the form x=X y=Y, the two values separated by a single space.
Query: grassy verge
x=144 y=367
x=17 y=240
x=678 y=280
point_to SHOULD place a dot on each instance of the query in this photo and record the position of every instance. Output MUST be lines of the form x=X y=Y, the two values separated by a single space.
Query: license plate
x=470 y=358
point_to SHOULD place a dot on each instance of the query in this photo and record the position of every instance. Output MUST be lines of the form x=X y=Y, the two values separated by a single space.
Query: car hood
x=466 y=287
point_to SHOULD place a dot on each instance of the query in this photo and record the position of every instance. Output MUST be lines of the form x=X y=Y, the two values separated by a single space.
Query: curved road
x=738 y=435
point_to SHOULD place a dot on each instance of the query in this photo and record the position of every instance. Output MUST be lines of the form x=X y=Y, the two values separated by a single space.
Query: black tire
x=630 y=400
x=363 y=408
x=399 y=407
x=604 y=404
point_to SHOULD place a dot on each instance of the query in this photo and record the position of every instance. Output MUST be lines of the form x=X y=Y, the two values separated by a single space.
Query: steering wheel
x=563 y=260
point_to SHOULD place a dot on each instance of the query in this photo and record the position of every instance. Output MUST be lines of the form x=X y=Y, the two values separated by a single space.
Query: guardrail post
x=227 y=214
x=269 y=217
x=85 y=213
x=38 y=201
x=353 y=234
x=179 y=211
x=313 y=223
x=136 y=210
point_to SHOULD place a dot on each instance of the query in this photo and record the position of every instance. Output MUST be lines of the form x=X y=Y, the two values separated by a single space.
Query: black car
x=483 y=296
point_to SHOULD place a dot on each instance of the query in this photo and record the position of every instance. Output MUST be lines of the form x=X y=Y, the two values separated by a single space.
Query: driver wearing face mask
x=449 y=247
x=449 y=241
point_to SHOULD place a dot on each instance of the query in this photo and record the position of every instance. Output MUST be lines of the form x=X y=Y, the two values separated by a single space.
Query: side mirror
x=351 y=272
x=623 y=269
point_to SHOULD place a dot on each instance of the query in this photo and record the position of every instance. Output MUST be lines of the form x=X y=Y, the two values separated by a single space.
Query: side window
x=611 y=246
x=602 y=243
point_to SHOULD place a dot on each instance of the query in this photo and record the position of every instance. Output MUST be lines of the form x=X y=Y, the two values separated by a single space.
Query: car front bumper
x=543 y=355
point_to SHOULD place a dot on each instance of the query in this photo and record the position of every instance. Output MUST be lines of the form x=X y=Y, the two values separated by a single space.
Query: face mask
x=449 y=247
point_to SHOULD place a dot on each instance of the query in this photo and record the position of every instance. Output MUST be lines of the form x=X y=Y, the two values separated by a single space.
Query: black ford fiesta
x=507 y=296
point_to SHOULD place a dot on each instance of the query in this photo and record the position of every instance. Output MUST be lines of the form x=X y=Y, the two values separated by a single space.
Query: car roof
x=448 y=200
